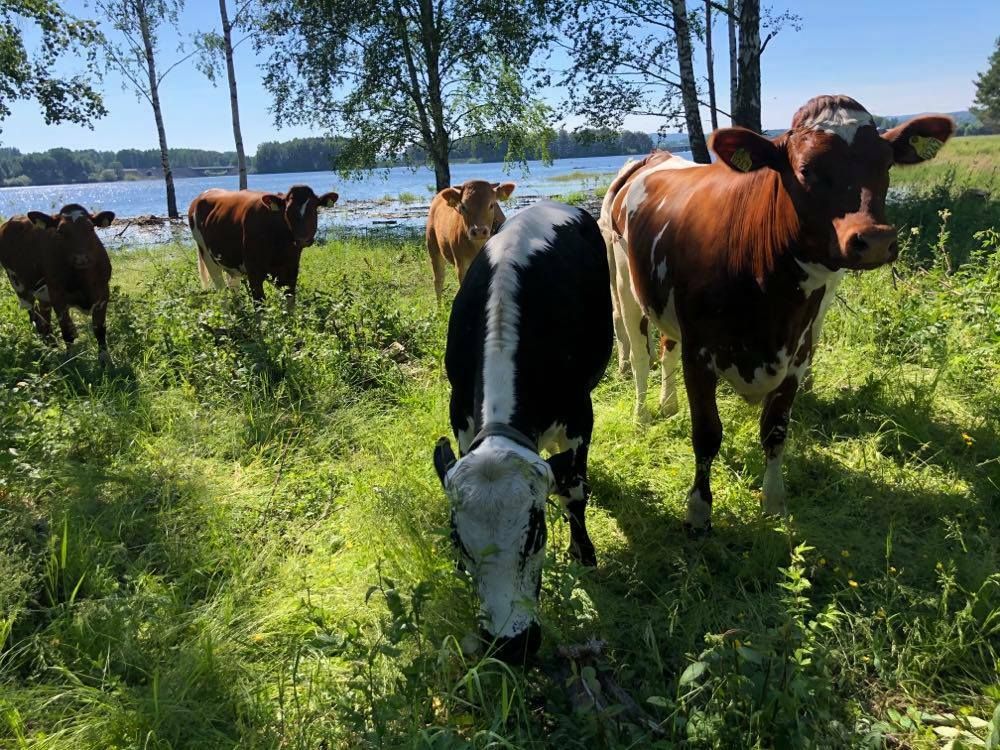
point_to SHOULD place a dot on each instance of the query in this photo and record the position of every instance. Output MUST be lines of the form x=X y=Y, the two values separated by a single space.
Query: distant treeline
x=59 y=166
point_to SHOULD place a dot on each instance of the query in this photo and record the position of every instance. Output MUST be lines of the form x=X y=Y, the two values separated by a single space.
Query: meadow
x=235 y=536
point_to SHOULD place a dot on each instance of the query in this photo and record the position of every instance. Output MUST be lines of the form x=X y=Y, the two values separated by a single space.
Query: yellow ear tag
x=925 y=146
x=741 y=160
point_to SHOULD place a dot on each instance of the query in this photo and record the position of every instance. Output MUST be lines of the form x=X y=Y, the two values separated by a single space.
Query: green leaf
x=693 y=672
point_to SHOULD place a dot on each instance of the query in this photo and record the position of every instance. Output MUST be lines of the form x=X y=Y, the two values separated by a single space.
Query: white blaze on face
x=525 y=234
x=497 y=495
x=840 y=121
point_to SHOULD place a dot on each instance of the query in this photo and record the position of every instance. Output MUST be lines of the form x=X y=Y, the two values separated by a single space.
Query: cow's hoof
x=624 y=369
x=583 y=554
x=669 y=408
x=642 y=417
x=104 y=358
x=697 y=532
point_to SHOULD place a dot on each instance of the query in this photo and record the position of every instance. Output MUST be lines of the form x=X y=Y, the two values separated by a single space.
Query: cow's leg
x=437 y=265
x=57 y=299
x=570 y=469
x=462 y=266
x=287 y=279
x=621 y=335
x=255 y=282
x=706 y=435
x=98 y=317
x=636 y=326
x=773 y=431
x=40 y=315
x=211 y=273
x=670 y=357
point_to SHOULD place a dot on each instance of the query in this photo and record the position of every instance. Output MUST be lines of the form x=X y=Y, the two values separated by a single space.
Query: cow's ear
x=562 y=469
x=744 y=150
x=273 y=202
x=328 y=199
x=42 y=220
x=452 y=195
x=444 y=458
x=104 y=219
x=919 y=139
x=504 y=190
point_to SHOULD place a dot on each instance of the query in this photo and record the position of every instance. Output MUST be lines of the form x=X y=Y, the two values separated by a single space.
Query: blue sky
x=894 y=56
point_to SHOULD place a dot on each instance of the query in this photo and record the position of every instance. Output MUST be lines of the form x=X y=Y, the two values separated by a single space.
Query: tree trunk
x=227 y=36
x=747 y=110
x=431 y=43
x=710 y=62
x=689 y=88
x=733 y=62
x=154 y=97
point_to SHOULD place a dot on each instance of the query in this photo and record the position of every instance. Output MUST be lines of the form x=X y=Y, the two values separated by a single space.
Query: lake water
x=148 y=196
x=371 y=201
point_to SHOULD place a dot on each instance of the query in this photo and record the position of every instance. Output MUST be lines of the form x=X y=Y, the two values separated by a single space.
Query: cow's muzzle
x=517 y=649
x=479 y=234
x=868 y=246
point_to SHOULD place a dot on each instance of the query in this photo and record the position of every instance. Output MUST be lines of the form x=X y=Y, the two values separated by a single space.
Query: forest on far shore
x=61 y=166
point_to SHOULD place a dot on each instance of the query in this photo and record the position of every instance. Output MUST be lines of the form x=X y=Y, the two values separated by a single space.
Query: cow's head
x=74 y=226
x=478 y=202
x=497 y=494
x=298 y=208
x=834 y=165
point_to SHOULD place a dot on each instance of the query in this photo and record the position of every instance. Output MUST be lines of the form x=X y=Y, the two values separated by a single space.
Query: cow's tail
x=209 y=271
x=606 y=224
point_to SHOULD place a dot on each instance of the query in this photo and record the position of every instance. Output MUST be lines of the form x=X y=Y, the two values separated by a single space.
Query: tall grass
x=235 y=538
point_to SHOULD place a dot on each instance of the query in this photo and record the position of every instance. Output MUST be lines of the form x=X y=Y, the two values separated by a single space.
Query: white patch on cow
x=75 y=214
x=496 y=492
x=766 y=377
x=819 y=276
x=669 y=362
x=656 y=241
x=666 y=320
x=524 y=235
x=305 y=206
x=840 y=121
x=699 y=513
x=774 y=487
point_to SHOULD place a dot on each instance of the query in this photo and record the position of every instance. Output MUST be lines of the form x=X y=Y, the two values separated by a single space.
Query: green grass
x=235 y=537
x=581 y=175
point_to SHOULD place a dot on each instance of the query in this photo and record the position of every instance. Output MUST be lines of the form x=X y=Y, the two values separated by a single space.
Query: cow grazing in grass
x=737 y=262
x=460 y=221
x=253 y=234
x=529 y=337
x=56 y=262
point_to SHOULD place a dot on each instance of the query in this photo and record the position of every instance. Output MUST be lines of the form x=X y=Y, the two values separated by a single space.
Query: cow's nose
x=516 y=649
x=480 y=233
x=874 y=245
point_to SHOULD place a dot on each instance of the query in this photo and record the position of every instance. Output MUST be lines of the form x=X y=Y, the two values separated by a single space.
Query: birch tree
x=132 y=53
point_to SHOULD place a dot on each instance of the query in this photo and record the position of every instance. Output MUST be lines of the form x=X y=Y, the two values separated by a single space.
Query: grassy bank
x=235 y=537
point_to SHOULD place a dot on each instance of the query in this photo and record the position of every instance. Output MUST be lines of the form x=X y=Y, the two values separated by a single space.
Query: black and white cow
x=529 y=338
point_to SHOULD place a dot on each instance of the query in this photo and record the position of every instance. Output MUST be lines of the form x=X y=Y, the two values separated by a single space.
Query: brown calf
x=460 y=221
x=55 y=262
x=256 y=235
x=737 y=262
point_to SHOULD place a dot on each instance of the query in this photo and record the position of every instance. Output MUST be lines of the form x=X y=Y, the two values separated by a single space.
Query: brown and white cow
x=459 y=222
x=256 y=235
x=737 y=261
x=56 y=262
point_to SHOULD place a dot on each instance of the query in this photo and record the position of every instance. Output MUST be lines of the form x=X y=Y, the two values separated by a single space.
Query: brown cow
x=55 y=262
x=736 y=262
x=460 y=221
x=252 y=234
